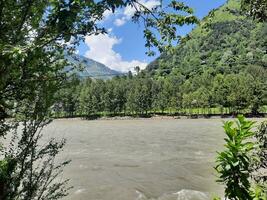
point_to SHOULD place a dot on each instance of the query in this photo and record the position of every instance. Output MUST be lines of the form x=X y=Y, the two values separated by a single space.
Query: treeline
x=204 y=93
x=219 y=69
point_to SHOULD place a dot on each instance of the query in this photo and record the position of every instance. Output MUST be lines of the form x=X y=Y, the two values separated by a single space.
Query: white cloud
x=121 y=16
x=129 y=11
x=101 y=50
x=120 y=22
x=151 y=3
x=107 y=14
x=101 y=46
x=110 y=30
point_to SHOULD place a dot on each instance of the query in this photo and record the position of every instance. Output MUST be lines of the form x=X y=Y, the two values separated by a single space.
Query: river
x=141 y=159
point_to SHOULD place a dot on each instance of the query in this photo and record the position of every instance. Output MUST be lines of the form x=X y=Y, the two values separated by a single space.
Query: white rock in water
x=141 y=196
x=79 y=191
x=181 y=195
x=191 y=195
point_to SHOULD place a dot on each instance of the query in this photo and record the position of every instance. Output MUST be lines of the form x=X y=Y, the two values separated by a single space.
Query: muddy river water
x=141 y=159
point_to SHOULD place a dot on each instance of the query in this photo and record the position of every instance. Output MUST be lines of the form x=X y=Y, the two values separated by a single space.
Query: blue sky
x=123 y=47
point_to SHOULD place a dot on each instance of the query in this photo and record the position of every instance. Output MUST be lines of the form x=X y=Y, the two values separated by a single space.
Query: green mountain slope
x=86 y=67
x=224 y=42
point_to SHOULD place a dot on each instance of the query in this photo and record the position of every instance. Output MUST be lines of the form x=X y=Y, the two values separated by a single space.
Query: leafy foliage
x=255 y=8
x=30 y=170
x=261 y=165
x=35 y=37
x=233 y=163
x=225 y=41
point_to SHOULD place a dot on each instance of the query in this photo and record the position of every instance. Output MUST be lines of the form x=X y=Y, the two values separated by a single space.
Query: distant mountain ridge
x=87 y=67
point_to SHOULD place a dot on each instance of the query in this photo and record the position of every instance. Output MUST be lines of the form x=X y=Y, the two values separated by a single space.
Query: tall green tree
x=159 y=100
x=35 y=36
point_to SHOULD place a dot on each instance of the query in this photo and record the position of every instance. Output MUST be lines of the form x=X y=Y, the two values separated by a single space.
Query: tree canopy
x=255 y=8
x=35 y=36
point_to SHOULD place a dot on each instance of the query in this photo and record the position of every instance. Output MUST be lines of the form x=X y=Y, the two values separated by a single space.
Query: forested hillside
x=220 y=67
x=225 y=42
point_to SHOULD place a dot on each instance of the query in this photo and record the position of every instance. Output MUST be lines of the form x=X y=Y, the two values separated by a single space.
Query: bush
x=234 y=164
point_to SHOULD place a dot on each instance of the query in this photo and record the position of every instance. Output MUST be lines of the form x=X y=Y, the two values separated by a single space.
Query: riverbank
x=159 y=117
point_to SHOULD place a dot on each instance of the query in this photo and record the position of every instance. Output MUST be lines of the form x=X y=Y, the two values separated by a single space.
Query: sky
x=123 y=48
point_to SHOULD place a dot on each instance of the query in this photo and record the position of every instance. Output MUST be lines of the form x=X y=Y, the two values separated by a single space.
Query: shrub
x=234 y=164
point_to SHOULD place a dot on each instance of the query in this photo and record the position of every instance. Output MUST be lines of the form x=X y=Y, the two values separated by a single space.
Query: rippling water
x=141 y=159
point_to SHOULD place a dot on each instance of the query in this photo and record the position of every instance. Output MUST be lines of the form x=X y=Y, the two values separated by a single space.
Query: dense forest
x=219 y=68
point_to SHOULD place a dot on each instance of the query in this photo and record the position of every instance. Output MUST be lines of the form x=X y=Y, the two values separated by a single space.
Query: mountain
x=91 y=68
x=224 y=42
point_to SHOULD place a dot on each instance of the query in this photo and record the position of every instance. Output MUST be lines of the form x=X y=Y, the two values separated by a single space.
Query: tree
x=160 y=100
x=67 y=97
x=85 y=99
x=109 y=98
x=120 y=95
x=35 y=36
x=144 y=96
x=189 y=101
x=130 y=75
x=255 y=8
x=220 y=91
x=19 y=178
x=239 y=91
x=261 y=138
x=36 y=33
x=202 y=96
x=259 y=93
x=137 y=69
x=131 y=105
x=29 y=169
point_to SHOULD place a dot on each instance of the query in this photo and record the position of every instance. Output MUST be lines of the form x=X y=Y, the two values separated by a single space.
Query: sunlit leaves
x=233 y=164
x=161 y=26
